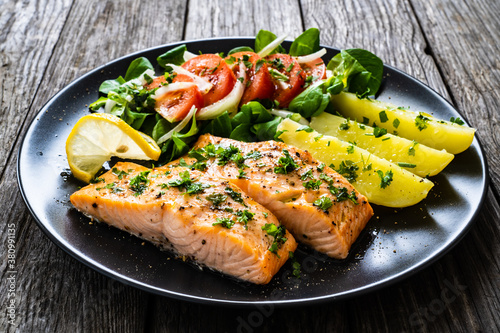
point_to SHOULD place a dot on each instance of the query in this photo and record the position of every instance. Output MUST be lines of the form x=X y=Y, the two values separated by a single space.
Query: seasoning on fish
x=187 y=211
x=316 y=204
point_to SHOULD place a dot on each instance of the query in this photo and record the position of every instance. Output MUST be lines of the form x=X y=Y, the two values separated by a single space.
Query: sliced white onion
x=310 y=57
x=202 y=84
x=109 y=105
x=171 y=87
x=179 y=126
x=329 y=74
x=189 y=55
x=271 y=46
x=286 y=113
x=228 y=103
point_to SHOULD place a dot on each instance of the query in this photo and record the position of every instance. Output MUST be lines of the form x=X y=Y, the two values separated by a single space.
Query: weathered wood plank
x=219 y=18
x=28 y=33
x=55 y=293
x=464 y=39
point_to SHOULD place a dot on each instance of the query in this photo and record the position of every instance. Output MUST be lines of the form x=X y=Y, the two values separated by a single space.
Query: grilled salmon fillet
x=315 y=203
x=193 y=214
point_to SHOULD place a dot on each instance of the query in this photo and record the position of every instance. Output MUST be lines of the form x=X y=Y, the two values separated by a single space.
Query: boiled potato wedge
x=417 y=126
x=382 y=182
x=416 y=158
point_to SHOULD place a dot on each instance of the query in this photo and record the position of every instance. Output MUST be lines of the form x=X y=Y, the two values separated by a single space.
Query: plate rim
x=352 y=293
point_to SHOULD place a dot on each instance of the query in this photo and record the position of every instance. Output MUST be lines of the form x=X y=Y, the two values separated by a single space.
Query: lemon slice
x=97 y=137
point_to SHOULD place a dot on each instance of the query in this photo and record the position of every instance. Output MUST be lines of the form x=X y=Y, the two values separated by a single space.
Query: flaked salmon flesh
x=222 y=205
x=315 y=203
x=207 y=219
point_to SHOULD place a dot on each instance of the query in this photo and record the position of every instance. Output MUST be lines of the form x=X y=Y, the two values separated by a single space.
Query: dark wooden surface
x=453 y=46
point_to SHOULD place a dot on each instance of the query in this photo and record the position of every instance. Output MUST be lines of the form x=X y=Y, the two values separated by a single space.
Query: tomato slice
x=175 y=105
x=315 y=69
x=289 y=80
x=213 y=68
x=156 y=83
x=260 y=84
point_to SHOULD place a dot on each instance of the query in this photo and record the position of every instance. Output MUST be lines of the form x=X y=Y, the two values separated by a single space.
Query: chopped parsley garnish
x=348 y=169
x=139 y=183
x=234 y=195
x=244 y=216
x=187 y=183
x=312 y=184
x=97 y=180
x=457 y=121
x=421 y=121
x=112 y=187
x=323 y=203
x=287 y=164
x=321 y=167
x=227 y=154
x=242 y=174
x=279 y=236
x=345 y=125
x=119 y=173
x=225 y=222
x=216 y=198
x=411 y=150
x=295 y=265
x=255 y=155
x=395 y=123
x=383 y=116
x=306 y=175
x=342 y=194
x=259 y=64
x=304 y=128
x=406 y=165
x=366 y=121
x=350 y=149
x=385 y=180
x=378 y=132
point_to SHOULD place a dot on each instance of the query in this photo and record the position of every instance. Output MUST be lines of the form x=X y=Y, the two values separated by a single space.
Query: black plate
x=395 y=244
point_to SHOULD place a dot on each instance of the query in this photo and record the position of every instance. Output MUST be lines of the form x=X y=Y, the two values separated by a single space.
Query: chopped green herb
x=366 y=121
x=244 y=216
x=241 y=173
x=411 y=150
x=119 y=173
x=316 y=138
x=234 y=195
x=345 y=125
x=383 y=116
x=225 y=222
x=350 y=149
x=97 y=180
x=307 y=174
x=255 y=155
x=323 y=203
x=407 y=165
x=279 y=236
x=139 y=183
x=457 y=121
x=396 y=123
x=304 y=128
x=348 y=169
x=312 y=184
x=287 y=164
x=295 y=265
x=385 y=180
x=216 y=198
x=265 y=214
x=378 y=132
x=421 y=121
x=321 y=167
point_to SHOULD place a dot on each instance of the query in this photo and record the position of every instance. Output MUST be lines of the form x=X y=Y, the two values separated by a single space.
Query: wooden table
x=453 y=46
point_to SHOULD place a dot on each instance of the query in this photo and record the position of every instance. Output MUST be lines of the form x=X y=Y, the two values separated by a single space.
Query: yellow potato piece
x=416 y=158
x=417 y=126
x=404 y=190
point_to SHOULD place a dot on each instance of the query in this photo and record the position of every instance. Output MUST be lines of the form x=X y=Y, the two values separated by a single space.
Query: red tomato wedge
x=213 y=68
x=156 y=83
x=260 y=84
x=315 y=68
x=175 y=105
x=290 y=80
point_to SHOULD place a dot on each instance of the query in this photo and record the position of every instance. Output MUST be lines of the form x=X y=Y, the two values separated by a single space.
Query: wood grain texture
x=28 y=33
x=464 y=36
x=219 y=18
x=53 y=291
x=447 y=44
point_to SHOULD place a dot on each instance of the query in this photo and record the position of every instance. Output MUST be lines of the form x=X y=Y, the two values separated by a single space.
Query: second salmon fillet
x=316 y=204
x=192 y=214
